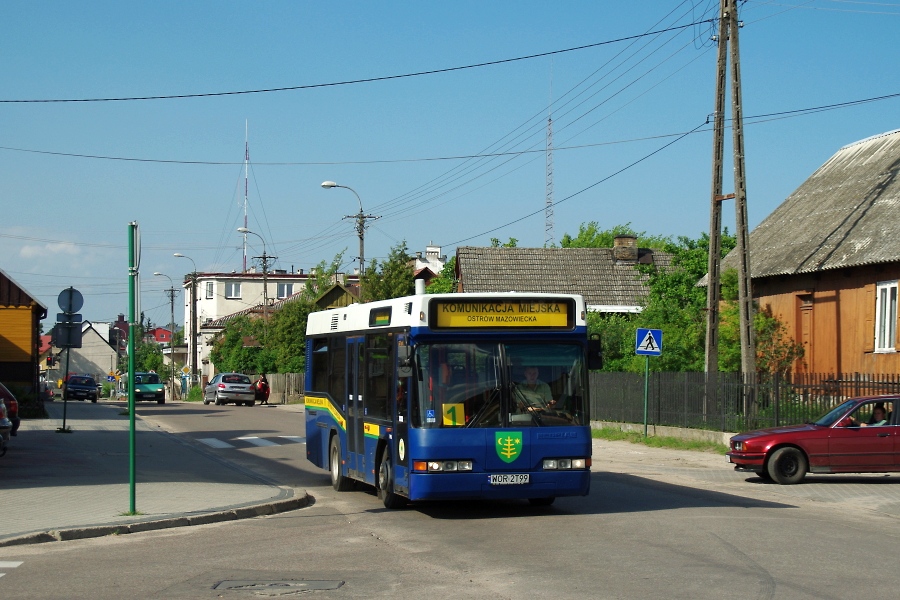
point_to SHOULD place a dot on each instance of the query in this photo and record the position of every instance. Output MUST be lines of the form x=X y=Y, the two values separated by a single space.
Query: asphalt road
x=657 y=524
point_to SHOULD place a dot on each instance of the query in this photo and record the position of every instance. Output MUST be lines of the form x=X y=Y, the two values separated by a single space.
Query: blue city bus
x=452 y=396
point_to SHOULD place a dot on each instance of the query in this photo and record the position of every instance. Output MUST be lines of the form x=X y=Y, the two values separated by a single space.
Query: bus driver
x=535 y=394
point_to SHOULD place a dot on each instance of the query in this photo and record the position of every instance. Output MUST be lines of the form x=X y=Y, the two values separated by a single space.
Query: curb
x=80 y=533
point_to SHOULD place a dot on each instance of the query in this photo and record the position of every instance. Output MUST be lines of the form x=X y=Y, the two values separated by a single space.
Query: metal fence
x=728 y=401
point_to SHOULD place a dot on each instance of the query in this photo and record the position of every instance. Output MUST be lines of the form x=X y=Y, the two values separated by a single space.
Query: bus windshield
x=499 y=385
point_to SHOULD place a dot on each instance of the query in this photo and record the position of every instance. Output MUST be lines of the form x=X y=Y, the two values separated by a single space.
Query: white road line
x=297 y=439
x=215 y=443
x=257 y=441
x=9 y=564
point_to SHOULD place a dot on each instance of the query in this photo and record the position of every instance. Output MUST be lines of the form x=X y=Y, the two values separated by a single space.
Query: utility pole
x=728 y=32
x=264 y=259
x=361 y=219
x=194 y=377
x=192 y=276
x=171 y=294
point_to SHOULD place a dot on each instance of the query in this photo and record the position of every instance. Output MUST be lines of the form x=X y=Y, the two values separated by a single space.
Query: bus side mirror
x=404 y=364
x=595 y=353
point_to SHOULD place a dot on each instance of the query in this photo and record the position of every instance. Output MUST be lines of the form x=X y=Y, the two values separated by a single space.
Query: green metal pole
x=132 y=274
x=646 y=389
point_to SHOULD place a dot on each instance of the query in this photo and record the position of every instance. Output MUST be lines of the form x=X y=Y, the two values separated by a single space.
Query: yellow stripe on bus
x=323 y=403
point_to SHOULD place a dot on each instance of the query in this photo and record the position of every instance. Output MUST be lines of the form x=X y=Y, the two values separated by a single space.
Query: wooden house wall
x=19 y=345
x=833 y=315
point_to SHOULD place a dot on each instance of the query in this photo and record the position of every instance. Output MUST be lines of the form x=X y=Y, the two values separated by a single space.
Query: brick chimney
x=625 y=249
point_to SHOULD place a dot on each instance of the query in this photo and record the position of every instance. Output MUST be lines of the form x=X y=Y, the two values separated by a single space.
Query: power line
x=353 y=81
x=769 y=116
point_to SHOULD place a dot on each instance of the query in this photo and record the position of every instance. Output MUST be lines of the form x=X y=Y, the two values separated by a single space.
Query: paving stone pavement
x=69 y=485
x=876 y=492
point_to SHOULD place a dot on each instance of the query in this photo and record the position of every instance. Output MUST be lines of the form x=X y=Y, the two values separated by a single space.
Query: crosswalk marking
x=297 y=439
x=215 y=443
x=257 y=441
x=253 y=440
x=9 y=564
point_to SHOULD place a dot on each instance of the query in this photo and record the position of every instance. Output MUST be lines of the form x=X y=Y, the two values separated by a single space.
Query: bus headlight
x=566 y=464
x=441 y=466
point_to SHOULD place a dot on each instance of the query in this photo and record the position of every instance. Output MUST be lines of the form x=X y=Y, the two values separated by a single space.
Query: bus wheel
x=338 y=481
x=541 y=501
x=386 y=482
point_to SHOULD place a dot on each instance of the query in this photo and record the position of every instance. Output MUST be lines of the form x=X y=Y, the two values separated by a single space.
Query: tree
x=591 y=236
x=392 y=278
x=323 y=277
x=287 y=336
x=148 y=356
x=237 y=347
x=677 y=306
x=445 y=282
x=495 y=243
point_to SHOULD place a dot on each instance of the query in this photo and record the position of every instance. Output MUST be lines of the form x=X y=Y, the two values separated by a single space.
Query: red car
x=12 y=408
x=861 y=435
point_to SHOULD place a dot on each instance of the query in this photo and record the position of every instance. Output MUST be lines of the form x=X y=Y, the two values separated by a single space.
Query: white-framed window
x=885 y=316
x=233 y=291
x=210 y=290
x=285 y=290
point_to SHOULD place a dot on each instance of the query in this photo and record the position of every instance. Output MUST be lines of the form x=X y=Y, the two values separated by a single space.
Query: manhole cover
x=277 y=587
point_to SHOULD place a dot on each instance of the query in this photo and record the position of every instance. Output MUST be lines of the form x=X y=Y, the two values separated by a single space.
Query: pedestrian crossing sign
x=648 y=342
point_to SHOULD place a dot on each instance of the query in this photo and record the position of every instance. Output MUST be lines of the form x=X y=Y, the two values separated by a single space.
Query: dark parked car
x=861 y=435
x=230 y=387
x=12 y=408
x=80 y=387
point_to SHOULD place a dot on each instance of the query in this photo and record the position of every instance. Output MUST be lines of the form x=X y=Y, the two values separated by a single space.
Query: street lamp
x=193 y=343
x=265 y=267
x=361 y=219
x=171 y=293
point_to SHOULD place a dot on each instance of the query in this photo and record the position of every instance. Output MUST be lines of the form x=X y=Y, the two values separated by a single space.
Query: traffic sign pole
x=646 y=390
x=648 y=342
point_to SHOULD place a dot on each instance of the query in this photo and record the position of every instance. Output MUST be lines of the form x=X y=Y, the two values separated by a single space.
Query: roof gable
x=844 y=215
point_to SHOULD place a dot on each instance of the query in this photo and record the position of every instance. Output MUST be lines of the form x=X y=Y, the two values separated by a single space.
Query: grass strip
x=674 y=443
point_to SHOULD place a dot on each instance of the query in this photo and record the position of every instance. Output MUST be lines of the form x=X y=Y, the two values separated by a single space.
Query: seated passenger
x=878 y=419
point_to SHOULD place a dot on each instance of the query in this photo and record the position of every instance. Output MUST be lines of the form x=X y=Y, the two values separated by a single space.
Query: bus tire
x=338 y=481
x=386 y=482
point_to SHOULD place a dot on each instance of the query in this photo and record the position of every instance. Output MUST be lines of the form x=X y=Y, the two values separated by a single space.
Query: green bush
x=195 y=395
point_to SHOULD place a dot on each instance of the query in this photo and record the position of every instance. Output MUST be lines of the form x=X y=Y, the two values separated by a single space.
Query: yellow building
x=20 y=317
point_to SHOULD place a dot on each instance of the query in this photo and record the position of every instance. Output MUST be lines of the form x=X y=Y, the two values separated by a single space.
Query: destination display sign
x=539 y=313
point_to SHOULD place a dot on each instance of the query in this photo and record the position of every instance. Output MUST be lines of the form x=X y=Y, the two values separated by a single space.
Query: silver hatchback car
x=229 y=387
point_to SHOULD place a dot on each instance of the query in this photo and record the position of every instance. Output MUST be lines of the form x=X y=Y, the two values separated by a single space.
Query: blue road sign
x=648 y=342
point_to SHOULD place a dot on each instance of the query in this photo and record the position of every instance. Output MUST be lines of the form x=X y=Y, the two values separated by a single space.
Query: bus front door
x=355 y=386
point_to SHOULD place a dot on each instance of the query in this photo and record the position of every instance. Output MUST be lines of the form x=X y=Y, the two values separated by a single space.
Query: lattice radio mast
x=246 y=163
x=548 y=205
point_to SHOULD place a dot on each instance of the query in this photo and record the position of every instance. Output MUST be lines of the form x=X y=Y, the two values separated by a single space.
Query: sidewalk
x=58 y=486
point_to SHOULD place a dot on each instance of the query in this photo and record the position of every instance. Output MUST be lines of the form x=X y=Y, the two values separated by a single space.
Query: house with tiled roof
x=338 y=294
x=608 y=278
x=826 y=262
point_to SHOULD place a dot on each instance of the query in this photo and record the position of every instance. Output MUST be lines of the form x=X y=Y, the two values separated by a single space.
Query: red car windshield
x=835 y=413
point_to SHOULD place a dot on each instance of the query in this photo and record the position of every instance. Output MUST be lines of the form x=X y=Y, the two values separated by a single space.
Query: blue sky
x=397 y=142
